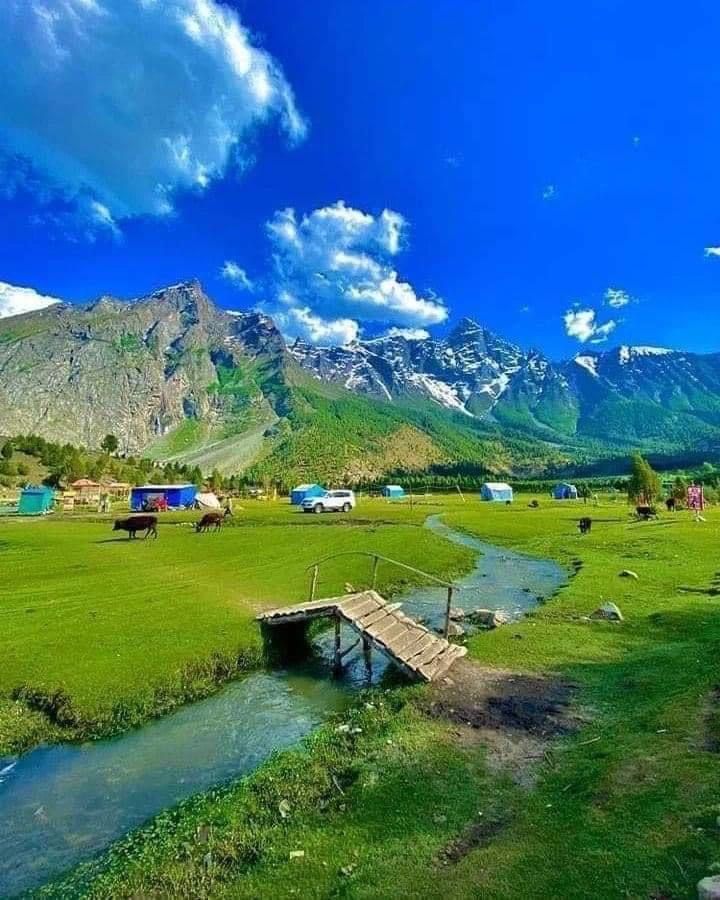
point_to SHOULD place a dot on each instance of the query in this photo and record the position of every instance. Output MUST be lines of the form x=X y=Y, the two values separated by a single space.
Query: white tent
x=207 y=500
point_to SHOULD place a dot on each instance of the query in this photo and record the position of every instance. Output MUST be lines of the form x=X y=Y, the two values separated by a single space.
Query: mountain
x=641 y=395
x=178 y=379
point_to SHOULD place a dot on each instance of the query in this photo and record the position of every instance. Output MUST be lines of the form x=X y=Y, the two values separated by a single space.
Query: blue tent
x=175 y=495
x=36 y=501
x=496 y=491
x=565 y=491
x=393 y=492
x=303 y=491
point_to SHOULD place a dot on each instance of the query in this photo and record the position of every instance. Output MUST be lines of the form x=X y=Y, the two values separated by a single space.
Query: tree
x=110 y=443
x=7 y=450
x=644 y=483
x=679 y=488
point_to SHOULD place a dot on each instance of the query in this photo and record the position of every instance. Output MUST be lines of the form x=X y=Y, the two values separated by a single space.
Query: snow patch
x=589 y=363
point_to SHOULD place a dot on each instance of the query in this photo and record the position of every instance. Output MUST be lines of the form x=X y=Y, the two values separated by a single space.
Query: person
x=228 y=505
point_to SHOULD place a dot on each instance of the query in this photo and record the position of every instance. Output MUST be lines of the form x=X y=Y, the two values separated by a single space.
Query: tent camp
x=565 y=491
x=36 y=501
x=393 y=492
x=174 y=496
x=497 y=491
x=303 y=491
x=207 y=500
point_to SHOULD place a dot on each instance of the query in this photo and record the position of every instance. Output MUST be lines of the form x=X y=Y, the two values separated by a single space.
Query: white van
x=330 y=501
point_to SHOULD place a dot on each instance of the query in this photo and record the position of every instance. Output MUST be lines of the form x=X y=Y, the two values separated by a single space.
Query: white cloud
x=549 y=192
x=302 y=322
x=582 y=324
x=336 y=264
x=235 y=274
x=16 y=300
x=712 y=251
x=410 y=334
x=617 y=298
x=119 y=104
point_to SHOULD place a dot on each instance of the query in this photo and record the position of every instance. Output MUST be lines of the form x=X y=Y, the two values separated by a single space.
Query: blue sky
x=548 y=169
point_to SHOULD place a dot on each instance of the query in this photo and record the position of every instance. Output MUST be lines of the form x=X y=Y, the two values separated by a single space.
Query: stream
x=61 y=804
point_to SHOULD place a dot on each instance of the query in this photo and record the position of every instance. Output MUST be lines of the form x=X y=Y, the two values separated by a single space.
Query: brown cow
x=133 y=524
x=210 y=520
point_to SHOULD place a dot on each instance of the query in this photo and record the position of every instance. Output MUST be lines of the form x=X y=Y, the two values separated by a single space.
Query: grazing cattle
x=210 y=520
x=645 y=513
x=585 y=524
x=670 y=504
x=133 y=524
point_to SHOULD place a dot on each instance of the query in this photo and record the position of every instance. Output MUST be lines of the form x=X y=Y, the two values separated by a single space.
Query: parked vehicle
x=330 y=501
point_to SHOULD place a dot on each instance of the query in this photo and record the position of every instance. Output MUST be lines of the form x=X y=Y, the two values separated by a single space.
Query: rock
x=608 y=611
x=457 y=613
x=343 y=729
x=297 y=854
x=455 y=630
x=628 y=573
x=284 y=809
x=487 y=618
x=709 y=888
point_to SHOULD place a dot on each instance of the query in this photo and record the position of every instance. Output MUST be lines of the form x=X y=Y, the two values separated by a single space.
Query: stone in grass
x=628 y=573
x=609 y=612
x=297 y=854
x=487 y=618
x=709 y=888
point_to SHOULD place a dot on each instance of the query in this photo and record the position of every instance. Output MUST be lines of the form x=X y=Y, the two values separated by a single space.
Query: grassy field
x=626 y=806
x=125 y=630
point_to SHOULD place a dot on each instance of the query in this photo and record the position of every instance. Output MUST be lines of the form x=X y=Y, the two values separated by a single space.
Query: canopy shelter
x=207 y=500
x=393 y=492
x=304 y=491
x=36 y=501
x=565 y=491
x=496 y=491
x=162 y=496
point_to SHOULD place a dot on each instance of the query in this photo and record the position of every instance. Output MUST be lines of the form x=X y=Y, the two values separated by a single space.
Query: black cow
x=585 y=524
x=670 y=504
x=133 y=524
x=645 y=513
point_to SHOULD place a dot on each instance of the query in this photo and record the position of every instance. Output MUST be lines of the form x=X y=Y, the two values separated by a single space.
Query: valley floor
x=567 y=757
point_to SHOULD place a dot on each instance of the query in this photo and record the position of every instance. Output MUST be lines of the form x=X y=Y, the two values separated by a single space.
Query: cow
x=585 y=524
x=670 y=504
x=133 y=524
x=211 y=520
x=645 y=513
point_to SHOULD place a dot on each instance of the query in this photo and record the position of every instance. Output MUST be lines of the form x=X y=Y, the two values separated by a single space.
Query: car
x=330 y=501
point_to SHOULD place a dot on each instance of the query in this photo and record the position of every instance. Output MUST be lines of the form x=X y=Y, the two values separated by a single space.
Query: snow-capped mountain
x=468 y=372
x=626 y=393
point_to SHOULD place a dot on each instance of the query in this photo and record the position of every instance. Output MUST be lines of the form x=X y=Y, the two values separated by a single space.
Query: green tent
x=35 y=501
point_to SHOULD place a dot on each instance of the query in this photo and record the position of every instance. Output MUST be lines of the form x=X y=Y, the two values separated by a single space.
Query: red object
x=695 y=497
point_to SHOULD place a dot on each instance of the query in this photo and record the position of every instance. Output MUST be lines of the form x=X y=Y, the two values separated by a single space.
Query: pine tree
x=644 y=483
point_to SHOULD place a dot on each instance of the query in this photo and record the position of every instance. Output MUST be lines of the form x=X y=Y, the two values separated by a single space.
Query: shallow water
x=62 y=804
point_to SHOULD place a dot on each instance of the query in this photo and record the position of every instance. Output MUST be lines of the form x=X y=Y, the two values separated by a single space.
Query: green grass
x=627 y=807
x=81 y=606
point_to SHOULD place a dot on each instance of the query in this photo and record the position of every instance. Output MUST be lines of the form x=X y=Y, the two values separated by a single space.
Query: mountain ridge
x=176 y=377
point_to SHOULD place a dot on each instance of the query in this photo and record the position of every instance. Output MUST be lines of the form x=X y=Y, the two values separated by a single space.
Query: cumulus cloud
x=236 y=275
x=16 y=300
x=549 y=192
x=582 y=325
x=335 y=264
x=712 y=251
x=116 y=105
x=303 y=323
x=410 y=334
x=617 y=298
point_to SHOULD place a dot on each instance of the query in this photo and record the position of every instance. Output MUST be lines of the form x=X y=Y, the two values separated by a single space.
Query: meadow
x=625 y=803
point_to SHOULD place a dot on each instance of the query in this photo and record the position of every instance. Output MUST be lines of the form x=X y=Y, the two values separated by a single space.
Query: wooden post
x=447 y=612
x=367 y=653
x=337 y=660
x=313 y=582
x=376 y=562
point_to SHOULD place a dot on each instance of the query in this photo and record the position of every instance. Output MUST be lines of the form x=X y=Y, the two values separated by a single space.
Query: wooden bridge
x=417 y=651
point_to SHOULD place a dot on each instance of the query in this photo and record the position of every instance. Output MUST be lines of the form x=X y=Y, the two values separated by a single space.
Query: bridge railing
x=377 y=558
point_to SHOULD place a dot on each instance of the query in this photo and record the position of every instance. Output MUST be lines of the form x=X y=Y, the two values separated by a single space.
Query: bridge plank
x=387 y=627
